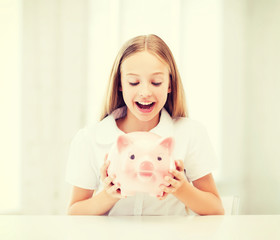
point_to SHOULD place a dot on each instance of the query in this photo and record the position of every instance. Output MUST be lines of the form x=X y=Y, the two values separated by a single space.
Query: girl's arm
x=202 y=196
x=85 y=202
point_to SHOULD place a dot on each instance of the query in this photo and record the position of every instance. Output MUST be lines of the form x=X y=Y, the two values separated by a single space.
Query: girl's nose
x=145 y=91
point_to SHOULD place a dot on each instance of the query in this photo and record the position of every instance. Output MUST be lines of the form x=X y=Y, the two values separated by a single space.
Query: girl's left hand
x=176 y=182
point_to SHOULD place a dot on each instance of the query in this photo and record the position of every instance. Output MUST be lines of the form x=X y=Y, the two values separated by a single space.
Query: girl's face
x=144 y=85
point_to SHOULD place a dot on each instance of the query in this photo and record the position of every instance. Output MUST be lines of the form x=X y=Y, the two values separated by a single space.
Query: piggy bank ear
x=122 y=142
x=167 y=143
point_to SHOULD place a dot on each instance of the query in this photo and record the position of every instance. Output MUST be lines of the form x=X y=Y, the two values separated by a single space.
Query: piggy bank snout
x=146 y=166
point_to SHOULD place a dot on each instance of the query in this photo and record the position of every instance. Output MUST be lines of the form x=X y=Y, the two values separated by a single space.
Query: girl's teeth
x=145 y=103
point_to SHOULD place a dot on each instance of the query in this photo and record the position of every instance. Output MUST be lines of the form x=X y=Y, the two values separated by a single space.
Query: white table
x=39 y=227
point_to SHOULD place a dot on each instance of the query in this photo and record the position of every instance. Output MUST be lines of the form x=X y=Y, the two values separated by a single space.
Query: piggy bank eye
x=159 y=158
x=132 y=157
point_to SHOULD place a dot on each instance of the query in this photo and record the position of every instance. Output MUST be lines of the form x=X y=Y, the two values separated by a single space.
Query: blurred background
x=56 y=57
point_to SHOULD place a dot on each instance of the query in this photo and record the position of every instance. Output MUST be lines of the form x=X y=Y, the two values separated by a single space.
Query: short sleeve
x=201 y=158
x=81 y=170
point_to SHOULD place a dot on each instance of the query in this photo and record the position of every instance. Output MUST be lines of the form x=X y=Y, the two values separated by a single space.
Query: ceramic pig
x=140 y=161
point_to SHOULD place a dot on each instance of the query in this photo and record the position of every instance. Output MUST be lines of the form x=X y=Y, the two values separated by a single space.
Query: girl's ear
x=169 y=88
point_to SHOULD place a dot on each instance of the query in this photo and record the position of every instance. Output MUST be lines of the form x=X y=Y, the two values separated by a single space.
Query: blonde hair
x=175 y=103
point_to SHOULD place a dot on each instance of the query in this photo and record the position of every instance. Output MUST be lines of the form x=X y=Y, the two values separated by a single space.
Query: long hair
x=175 y=103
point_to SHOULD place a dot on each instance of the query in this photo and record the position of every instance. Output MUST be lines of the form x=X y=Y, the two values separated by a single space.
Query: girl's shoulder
x=85 y=135
x=181 y=126
x=186 y=129
x=104 y=131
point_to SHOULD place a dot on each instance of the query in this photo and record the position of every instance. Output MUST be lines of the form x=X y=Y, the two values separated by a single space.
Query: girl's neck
x=129 y=124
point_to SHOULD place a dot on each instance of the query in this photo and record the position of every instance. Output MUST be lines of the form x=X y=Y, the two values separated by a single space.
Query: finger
x=173 y=182
x=106 y=157
x=108 y=182
x=178 y=175
x=164 y=196
x=105 y=164
x=114 y=191
x=103 y=170
x=103 y=173
x=167 y=190
x=179 y=165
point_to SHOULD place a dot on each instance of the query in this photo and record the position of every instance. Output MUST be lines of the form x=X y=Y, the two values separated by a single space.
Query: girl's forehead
x=145 y=61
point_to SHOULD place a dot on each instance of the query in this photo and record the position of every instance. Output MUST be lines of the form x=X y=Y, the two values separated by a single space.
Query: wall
x=53 y=100
x=251 y=82
x=262 y=119
x=233 y=100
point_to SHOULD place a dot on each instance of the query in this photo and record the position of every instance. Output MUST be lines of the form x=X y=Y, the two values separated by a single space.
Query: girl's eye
x=156 y=83
x=133 y=83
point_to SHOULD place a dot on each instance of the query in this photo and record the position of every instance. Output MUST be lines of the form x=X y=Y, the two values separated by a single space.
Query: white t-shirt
x=90 y=145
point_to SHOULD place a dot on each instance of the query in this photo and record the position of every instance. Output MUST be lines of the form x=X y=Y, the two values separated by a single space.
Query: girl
x=145 y=93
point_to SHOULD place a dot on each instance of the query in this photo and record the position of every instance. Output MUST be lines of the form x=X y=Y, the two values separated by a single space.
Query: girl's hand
x=176 y=182
x=113 y=190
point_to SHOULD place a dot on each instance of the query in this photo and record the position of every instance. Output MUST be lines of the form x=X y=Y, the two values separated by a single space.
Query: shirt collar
x=107 y=130
x=165 y=125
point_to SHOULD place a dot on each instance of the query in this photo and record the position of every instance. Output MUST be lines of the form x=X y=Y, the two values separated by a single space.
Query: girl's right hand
x=113 y=190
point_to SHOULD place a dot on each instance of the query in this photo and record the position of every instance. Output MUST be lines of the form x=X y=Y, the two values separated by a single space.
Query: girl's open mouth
x=145 y=107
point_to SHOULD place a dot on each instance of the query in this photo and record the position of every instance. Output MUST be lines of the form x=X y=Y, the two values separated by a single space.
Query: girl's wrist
x=181 y=190
x=110 y=198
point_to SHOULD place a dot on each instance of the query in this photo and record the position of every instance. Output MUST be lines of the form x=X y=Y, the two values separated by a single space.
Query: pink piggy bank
x=140 y=161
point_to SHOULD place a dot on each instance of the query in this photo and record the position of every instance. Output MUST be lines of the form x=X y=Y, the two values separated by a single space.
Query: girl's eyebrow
x=153 y=74
x=132 y=74
x=157 y=73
